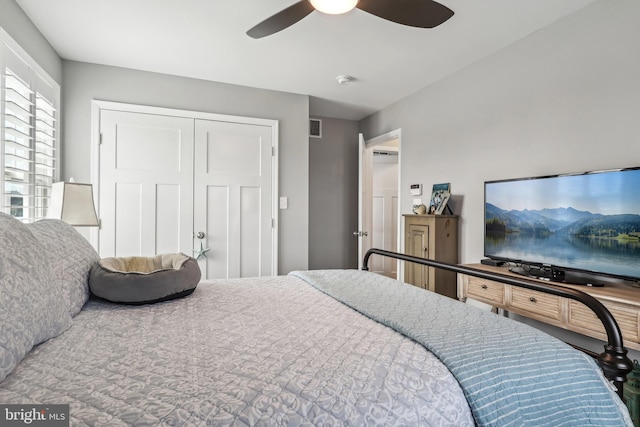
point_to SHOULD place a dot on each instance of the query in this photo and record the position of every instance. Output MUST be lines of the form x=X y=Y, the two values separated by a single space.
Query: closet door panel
x=146 y=184
x=250 y=231
x=127 y=221
x=167 y=218
x=217 y=232
x=236 y=154
x=237 y=157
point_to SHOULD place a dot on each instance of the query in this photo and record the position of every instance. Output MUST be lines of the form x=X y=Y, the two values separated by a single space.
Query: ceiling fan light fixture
x=334 y=7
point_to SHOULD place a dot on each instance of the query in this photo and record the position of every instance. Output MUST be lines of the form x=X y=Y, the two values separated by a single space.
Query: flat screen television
x=577 y=228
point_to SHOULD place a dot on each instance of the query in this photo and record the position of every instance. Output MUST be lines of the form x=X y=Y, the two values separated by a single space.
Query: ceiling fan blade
x=414 y=13
x=281 y=20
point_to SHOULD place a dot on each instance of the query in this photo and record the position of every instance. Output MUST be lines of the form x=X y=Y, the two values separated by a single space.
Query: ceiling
x=206 y=39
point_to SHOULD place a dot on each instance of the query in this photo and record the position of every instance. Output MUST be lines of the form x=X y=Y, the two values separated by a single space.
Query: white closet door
x=146 y=184
x=233 y=198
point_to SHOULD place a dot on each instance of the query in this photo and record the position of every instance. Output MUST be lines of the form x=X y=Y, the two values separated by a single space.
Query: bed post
x=614 y=361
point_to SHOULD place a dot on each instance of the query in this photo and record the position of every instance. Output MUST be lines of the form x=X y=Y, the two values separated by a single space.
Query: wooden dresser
x=622 y=301
x=432 y=237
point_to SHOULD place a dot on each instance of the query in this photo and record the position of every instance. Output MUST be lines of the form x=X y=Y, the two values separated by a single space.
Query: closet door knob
x=200 y=235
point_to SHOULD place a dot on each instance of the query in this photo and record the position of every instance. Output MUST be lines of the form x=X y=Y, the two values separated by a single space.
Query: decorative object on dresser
x=433 y=237
x=440 y=195
x=420 y=209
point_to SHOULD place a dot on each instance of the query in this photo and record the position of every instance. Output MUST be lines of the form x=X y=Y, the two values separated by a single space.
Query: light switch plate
x=284 y=202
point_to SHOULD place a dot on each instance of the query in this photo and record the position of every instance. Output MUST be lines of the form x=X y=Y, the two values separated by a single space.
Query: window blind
x=29 y=129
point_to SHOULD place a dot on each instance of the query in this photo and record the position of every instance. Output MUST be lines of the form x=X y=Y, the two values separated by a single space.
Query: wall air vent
x=315 y=128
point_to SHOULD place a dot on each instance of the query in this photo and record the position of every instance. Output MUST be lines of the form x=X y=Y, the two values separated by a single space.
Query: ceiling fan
x=414 y=13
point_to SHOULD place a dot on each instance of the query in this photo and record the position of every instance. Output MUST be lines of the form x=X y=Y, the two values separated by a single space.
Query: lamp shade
x=73 y=203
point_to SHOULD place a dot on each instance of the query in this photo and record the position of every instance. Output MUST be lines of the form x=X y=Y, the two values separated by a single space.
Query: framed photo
x=440 y=195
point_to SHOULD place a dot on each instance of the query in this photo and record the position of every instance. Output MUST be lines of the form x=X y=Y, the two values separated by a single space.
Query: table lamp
x=72 y=202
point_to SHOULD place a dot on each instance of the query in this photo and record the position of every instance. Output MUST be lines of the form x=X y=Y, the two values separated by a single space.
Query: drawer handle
x=484 y=286
x=533 y=299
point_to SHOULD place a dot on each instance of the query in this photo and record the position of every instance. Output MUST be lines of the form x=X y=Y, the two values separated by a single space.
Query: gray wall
x=84 y=82
x=333 y=195
x=564 y=99
x=15 y=22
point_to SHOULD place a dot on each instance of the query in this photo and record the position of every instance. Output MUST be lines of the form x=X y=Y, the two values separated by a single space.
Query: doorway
x=380 y=204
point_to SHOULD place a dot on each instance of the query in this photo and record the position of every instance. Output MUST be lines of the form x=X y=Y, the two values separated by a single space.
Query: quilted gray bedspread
x=512 y=374
x=266 y=352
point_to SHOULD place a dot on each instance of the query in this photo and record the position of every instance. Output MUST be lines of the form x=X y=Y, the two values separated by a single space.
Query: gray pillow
x=144 y=280
x=32 y=308
x=70 y=256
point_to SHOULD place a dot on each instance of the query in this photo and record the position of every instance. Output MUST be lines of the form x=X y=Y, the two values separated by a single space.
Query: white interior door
x=385 y=209
x=234 y=209
x=146 y=184
x=388 y=211
x=365 y=198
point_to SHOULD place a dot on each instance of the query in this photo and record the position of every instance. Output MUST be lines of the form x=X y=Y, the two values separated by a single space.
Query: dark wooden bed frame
x=614 y=361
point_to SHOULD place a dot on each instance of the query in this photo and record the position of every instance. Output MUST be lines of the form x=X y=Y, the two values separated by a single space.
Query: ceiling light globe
x=334 y=7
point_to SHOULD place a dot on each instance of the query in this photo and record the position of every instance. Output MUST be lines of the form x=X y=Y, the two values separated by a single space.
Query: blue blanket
x=511 y=374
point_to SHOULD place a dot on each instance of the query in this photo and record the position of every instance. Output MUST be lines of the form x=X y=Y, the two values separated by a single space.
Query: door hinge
x=273 y=223
x=273 y=151
x=100 y=139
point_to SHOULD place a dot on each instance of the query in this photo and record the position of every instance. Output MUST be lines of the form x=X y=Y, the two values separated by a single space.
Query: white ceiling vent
x=315 y=128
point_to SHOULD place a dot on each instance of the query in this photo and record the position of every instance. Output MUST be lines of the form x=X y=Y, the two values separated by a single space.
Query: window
x=29 y=129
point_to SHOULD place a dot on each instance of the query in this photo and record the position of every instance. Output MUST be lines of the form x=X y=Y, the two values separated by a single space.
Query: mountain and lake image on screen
x=584 y=222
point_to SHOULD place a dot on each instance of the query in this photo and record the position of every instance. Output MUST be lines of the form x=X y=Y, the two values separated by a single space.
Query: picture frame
x=440 y=195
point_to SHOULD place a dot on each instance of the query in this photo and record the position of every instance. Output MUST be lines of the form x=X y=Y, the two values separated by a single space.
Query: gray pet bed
x=144 y=280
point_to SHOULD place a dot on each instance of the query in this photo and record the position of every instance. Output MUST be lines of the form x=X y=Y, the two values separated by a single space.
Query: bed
x=328 y=347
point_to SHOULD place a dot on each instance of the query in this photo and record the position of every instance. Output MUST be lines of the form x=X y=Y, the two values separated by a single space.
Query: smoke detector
x=344 y=79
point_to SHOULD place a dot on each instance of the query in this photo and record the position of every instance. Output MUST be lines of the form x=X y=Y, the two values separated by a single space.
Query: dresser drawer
x=486 y=291
x=582 y=317
x=536 y=303
x=623 y=302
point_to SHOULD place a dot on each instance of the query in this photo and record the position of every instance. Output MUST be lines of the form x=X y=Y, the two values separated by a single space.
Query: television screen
x=580 y=222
